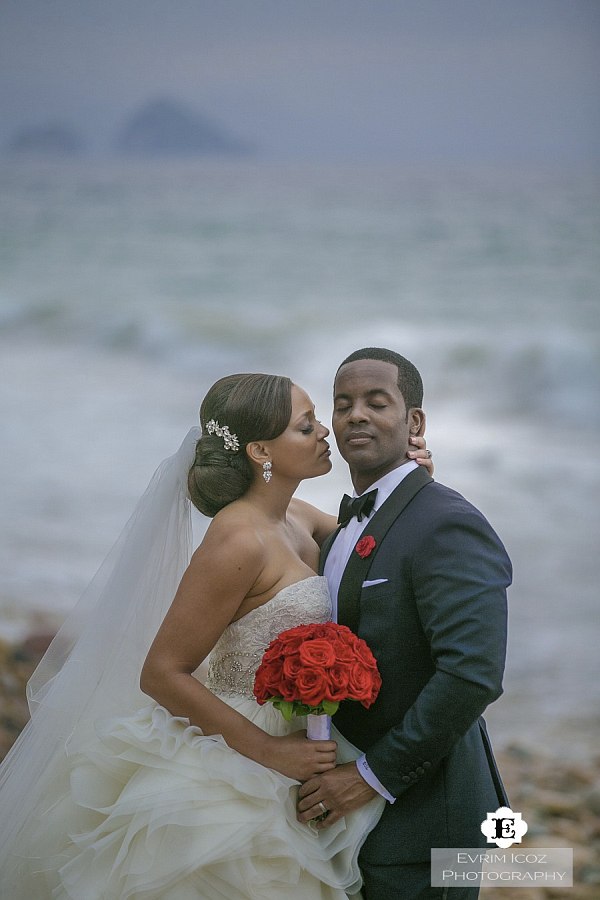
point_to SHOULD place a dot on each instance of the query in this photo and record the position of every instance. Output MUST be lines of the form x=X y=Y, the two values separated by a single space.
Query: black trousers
x=411 y=882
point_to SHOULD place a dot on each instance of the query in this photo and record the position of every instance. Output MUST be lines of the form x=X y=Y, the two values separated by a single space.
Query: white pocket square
x=376 y=581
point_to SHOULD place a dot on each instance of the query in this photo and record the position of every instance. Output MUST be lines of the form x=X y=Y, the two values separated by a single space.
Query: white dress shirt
x=337 y=560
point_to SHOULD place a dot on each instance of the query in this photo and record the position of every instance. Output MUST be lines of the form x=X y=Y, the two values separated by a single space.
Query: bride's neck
x=272 y=499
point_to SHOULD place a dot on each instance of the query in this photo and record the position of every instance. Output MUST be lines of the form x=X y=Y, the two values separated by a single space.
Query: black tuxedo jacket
x=437 y=627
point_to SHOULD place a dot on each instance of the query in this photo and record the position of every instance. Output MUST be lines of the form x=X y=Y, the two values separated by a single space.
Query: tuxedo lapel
x=357 y=568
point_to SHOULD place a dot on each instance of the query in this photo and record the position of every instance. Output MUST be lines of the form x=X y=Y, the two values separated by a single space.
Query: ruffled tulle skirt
x=155 y=809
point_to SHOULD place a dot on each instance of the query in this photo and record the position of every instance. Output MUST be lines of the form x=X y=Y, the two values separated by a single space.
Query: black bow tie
x=356 y=506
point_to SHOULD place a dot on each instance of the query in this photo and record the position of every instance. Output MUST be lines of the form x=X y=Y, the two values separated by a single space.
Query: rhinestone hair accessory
x=230 y=440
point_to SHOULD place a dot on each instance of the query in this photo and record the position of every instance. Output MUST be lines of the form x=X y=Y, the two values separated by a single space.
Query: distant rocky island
x=53 y=139
x=160 y=128
x=165 y=127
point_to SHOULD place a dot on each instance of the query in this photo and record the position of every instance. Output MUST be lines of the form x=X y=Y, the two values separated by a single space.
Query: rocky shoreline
x=559 y=799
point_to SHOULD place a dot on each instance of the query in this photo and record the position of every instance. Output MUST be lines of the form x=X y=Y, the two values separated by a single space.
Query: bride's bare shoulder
x=234 y=530
x=318 y=523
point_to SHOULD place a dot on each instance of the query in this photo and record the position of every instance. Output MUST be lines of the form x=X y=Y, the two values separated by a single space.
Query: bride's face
x=301 y=451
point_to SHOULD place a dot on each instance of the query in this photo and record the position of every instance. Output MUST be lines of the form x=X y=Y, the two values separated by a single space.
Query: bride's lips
x=326 y=451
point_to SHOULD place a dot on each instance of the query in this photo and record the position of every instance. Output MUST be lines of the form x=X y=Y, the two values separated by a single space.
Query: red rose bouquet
x=308 y=670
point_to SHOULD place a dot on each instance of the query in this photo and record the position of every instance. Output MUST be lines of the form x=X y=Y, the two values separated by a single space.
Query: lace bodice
x=238 y=652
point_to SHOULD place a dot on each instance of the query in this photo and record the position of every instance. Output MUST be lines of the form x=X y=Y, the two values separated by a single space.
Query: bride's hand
x=420 y=453
x=298 y=757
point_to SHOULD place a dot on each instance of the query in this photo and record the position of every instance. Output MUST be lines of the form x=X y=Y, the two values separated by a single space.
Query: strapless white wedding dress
x=155 y=809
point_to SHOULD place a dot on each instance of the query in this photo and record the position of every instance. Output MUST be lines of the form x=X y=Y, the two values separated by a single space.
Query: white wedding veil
x=91 y=670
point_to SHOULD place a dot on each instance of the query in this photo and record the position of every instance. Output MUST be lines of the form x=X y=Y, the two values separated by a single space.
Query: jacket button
x=420 y=770
x=427 y=765
x=406 y=778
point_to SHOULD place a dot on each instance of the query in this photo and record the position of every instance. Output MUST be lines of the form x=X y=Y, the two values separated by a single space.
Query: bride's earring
x=267 y=470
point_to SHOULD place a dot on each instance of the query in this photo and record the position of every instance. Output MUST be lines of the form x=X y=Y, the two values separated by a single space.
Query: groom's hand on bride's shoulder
x=339 y=791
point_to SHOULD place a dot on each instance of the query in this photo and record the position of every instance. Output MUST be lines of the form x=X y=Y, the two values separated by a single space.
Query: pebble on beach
x=559 y=799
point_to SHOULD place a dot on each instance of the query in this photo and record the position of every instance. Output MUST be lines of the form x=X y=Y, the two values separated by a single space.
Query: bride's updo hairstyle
x=253 y=408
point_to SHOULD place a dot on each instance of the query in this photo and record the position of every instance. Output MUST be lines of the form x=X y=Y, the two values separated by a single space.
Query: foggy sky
x=455 y=80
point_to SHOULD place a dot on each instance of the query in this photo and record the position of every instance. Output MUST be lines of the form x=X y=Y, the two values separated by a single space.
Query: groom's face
x=370 y=420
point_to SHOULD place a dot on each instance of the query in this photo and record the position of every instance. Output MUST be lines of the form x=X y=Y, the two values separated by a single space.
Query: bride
x=106 y=795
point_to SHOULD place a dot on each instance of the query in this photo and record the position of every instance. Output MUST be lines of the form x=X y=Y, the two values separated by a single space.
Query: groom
x=427 y=591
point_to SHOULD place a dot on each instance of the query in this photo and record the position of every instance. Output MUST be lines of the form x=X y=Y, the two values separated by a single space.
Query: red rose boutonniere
x=366 y=546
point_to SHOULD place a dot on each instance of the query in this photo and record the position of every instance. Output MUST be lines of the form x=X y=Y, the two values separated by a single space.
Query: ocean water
x=127 y=289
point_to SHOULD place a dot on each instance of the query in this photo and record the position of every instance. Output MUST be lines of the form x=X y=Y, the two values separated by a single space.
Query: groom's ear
x=416 y=421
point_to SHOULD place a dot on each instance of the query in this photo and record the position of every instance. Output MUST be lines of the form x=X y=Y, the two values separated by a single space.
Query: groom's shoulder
x=447 y=496
x=439 y=507
x=437 y=500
